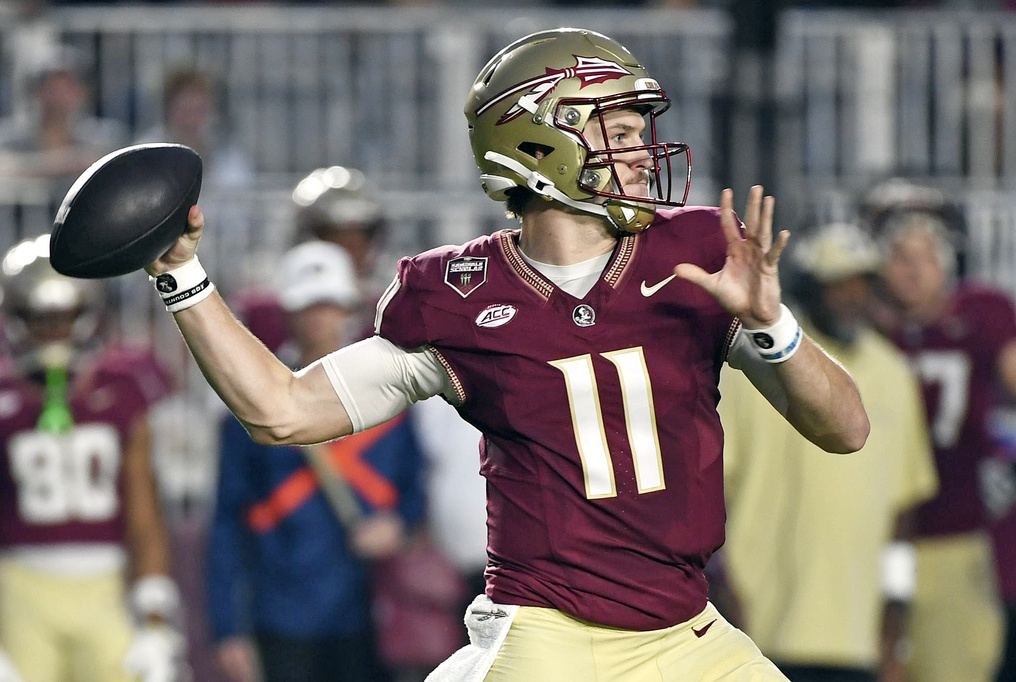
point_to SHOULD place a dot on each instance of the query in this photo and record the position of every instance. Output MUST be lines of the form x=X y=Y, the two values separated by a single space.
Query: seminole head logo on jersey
x=588 y=70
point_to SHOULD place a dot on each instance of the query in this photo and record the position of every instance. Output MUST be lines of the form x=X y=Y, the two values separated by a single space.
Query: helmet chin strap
x=545 y=187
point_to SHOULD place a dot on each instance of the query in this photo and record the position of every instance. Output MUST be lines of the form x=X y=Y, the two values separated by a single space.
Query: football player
x=85 y=592
x=961 y=340
x=586 y=346
x=337 y=204
x=340 y=205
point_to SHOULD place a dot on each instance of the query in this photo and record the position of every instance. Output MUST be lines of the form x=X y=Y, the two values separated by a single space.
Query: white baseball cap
x=317 y=272
x=837 y=251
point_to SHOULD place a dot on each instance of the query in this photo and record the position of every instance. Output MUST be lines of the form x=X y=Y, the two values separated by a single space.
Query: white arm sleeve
x=742 y=356
x=376 y=380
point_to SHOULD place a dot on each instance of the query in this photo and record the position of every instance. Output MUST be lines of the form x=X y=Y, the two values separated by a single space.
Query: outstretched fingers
x=758 y=217
x=772 y=257
x=693 y=273
x=729 y=223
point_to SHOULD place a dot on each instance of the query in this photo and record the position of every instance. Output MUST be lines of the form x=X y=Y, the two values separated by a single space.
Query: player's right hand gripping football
x=185 y=247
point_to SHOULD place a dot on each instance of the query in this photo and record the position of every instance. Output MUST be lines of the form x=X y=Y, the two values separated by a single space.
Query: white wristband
x=899 y=571
x=778 y=342
x=184 y=286
x=155 y=595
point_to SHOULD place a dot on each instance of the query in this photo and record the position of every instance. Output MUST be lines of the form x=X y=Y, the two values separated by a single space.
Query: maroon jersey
x=602 y=446
x=67 y=487
x=956 y=359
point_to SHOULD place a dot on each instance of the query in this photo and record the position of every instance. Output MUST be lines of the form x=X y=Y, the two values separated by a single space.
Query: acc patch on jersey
x=465 y=274
x=496 y=315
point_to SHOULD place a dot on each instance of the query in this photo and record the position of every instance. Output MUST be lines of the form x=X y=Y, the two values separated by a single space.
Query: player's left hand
x=156 y=654
x=748 y=285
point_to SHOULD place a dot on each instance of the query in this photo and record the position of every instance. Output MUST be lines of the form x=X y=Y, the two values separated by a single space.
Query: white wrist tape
x=155 y=595
x=899 y=571
x=778 y=342
x=184 y=286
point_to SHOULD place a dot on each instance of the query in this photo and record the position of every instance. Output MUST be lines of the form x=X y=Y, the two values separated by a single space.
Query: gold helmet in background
x=332 y=199
x=527 y=111
x=49 y=318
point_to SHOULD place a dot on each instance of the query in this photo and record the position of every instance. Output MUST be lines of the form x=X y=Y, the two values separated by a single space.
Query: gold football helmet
x=333 y=199
x=338 y=204
x=527 y=111
x=48 y=317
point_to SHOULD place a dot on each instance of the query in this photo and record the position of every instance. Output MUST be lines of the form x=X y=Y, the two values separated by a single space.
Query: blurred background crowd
x=333 y=142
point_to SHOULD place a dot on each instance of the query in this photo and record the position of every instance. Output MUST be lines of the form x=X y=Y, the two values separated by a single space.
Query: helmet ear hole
x=536 y=150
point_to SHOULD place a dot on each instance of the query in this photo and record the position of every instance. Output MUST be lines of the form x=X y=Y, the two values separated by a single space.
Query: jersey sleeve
x=1000 y=318
x=400 y=317
x=420 y=308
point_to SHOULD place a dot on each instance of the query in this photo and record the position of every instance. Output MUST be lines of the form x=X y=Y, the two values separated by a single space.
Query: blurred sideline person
x=85 y=590
x=57 y=137
x=336 y=205
x=287 y=583
x=961 y=340
x=823 y=570
x=191 y=117
x=586 y=347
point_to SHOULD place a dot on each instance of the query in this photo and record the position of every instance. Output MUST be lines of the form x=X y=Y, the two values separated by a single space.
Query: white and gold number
x=951 y=371
x=67 y=477
x=587 y=421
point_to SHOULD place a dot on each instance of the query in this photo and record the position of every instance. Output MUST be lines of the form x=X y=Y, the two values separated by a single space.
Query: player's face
x=60 y=93
x=357 y=242
x=914 y=272
x=848 y=300
x=623 y=128
x=51 y=327
x=190 y=109
x=319 y=328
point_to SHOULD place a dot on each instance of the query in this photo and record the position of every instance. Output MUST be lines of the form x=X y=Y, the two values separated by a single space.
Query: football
x=125 y=210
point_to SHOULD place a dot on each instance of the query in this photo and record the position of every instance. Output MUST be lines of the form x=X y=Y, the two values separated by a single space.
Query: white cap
x=317 y=272
x=837 y=251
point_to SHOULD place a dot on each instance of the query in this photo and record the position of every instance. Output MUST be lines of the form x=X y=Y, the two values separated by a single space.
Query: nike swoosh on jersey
x=649 y=291
x=704 y=629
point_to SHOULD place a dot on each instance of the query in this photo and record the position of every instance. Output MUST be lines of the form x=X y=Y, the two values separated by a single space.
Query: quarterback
x=586 y=347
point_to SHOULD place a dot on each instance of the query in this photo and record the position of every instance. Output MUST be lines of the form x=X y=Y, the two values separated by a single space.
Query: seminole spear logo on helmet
x=589 y=70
